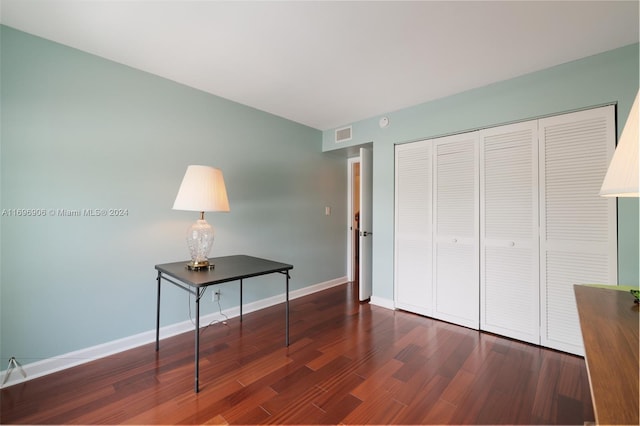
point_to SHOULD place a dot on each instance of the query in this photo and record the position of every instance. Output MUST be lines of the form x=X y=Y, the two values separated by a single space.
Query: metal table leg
x=240 y=300
x=286 y=341
x=158 y=314
x=197 y=349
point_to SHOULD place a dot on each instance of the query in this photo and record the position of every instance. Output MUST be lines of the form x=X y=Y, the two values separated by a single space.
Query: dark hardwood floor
x=347 y=364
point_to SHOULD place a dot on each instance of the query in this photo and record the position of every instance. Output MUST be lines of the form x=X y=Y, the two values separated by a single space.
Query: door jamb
x=351 y=162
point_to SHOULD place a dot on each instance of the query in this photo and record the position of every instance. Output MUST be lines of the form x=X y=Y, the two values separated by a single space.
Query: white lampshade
x=202 y=190
x=622 y=178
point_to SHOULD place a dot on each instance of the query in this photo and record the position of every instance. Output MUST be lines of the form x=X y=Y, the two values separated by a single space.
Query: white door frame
x=351 y=162
x=365 y=250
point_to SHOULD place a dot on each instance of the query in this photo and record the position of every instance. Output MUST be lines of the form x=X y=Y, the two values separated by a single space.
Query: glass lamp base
x=200 y=266
x=199 y=241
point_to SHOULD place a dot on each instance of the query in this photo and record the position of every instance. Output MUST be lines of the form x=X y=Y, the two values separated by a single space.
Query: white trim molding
x=62 y=362
x=383 y=302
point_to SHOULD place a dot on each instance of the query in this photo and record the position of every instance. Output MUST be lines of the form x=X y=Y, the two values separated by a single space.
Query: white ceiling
x=326 y=64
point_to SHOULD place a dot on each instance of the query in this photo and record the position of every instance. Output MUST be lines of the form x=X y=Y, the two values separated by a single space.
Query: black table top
x=227 y=268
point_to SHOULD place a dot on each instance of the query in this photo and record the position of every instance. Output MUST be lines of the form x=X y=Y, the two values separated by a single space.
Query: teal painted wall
x=610 y=77
x=81 y=132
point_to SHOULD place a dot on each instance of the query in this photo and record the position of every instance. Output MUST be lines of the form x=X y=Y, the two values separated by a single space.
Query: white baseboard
x=51 y=365
x=382 y=302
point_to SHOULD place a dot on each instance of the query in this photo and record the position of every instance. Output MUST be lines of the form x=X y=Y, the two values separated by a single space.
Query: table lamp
x=202 y=190
x=622 y=178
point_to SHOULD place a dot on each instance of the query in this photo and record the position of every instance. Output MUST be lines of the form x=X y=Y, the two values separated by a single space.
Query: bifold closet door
x=577 y=226
x=509 y=267
x=413 y=223
x=456 y=230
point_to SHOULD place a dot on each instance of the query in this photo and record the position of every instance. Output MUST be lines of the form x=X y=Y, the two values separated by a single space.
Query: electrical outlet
x=216 y=295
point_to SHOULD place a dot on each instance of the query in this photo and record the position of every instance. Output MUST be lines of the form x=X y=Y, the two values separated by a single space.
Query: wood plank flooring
x=347 y=364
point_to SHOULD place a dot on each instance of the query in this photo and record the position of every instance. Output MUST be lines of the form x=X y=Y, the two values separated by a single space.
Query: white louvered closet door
x=456 y=230
x=413 y=235
x=509 y=253
x=578 y=227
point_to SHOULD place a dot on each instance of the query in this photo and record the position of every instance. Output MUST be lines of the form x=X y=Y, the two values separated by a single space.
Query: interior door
x=509 y=267
x=366 y=207
x=413 y=225
x=577 y=227
x=456 y=285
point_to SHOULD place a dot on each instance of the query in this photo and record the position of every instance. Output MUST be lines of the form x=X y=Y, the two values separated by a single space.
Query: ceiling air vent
x=343 y=134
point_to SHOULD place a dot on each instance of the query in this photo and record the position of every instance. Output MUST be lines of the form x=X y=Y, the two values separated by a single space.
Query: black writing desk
x=226 y=269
